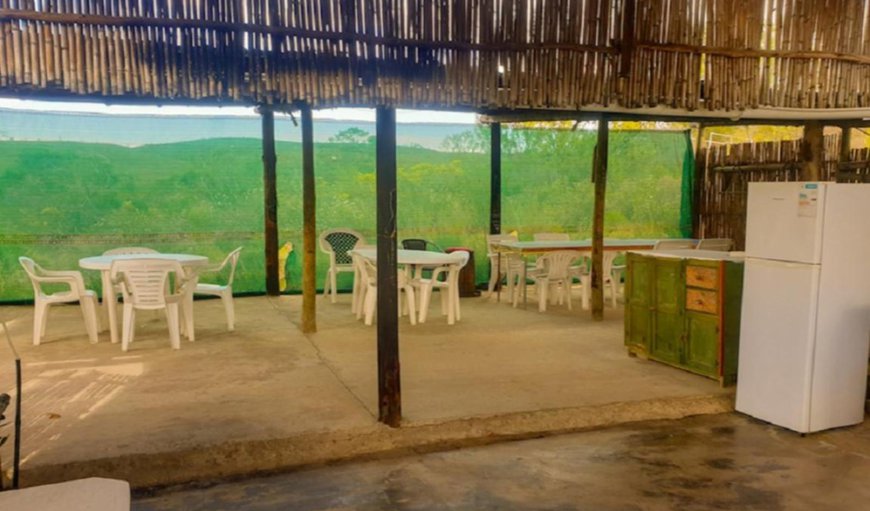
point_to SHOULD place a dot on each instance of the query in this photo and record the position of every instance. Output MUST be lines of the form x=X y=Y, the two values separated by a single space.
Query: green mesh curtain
x=74 y=185
x=687 y=207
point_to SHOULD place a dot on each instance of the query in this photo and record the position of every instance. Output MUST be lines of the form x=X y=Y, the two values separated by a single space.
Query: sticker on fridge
x=808 y=199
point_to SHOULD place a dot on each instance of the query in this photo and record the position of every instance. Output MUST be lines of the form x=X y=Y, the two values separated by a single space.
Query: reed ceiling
x=690 y=55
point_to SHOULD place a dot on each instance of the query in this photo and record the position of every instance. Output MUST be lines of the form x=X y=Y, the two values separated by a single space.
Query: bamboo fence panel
x=729 y=168
x=479 y=54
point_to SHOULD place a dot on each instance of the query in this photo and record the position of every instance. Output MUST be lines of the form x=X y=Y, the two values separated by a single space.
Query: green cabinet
x=684 y=311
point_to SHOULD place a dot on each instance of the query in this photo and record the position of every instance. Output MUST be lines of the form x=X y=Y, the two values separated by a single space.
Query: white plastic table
x=103 y=264
x=416 y=258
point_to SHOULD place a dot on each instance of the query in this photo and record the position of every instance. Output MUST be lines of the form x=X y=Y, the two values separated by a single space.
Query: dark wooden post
x=389 y=388
x=845 y=148
x=599 y=177
x=813 y=148
x=495 y=179
x=309 y=226
x=627 y=45
x=270 y=201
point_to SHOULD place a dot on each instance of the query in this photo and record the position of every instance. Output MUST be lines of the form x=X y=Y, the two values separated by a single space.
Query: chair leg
x=586 y=282
x=327 y=281
x=229 y=307
x=410 y=300
x=566 y=286
x=456 y=300
x=333 y=290
x=425 y=298
x=445 y=301
x=129 y=327
x=185 y=310
x=360 y=308
x=89 y=311
x=174 y=326
x=543 y=288
x=40 y=312
x=490 y=286
x=371 y=298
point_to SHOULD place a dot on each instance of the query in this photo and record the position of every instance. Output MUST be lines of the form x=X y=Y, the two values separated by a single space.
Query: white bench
x=93 y=494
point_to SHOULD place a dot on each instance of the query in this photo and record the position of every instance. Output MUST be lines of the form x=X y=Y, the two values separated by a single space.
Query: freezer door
x=777 y=330
x=784 y=221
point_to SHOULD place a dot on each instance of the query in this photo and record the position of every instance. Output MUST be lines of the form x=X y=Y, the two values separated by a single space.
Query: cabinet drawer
x=702 y=301
x=702 y=276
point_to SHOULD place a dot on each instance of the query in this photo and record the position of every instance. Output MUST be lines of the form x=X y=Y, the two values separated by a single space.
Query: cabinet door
x=668 y=310
x=702 y=343
x=638 y=294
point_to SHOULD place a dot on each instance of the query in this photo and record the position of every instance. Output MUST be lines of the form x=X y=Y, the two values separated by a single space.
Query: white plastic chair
x=336 y=243
x=148 y=285
x=224 y=291
x=492 y=240
x=556 y=278
x=369 y=293
x=668 y=244
x=448 y=288
x=551 y=236
x=718 y=244
x=612 y=278
x=43 y=301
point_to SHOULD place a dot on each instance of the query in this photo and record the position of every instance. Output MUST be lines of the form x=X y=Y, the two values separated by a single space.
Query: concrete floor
x=308 y=399
x=713 y=462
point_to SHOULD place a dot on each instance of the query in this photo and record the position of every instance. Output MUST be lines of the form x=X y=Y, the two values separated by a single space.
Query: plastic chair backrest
x=551 y=236
x=130 y=251
x=673 y=244
x=232 y=259
x=33 y=270
x=719 y=244
x=340 y=242
x=559 y=263
x=147 y=281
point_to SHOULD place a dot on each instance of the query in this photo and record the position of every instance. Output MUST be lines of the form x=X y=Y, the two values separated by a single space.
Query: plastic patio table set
x=558 y=246
x=415 y=261
x=146 y=280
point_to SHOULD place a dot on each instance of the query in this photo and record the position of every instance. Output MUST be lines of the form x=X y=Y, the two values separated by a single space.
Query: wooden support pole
x=698 y=185
x=309 y=226
x=599 y=177
x=270 y=201
x=389 y=388
x=495 y=179
x=813 y=149
x=845 y=144
x=627 y=45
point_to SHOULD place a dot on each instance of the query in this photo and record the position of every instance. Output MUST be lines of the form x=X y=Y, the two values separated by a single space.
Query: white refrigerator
x=805 y=317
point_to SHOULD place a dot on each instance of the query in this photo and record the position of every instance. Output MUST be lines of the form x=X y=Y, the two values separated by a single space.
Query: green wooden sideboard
x=682 y=308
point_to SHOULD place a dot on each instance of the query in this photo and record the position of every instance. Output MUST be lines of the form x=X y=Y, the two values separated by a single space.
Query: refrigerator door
x=784 y=221
x=777 y=330
x=843 y=319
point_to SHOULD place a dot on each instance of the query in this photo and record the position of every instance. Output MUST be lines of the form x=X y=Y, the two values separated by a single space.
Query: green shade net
x=74 y=185
x=687 y=192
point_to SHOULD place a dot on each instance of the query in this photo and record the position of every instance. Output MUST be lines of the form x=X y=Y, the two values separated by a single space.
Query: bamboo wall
x=727 y=170
x=480 y=54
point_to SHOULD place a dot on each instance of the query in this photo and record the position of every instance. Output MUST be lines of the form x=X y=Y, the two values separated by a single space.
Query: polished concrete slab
x=714 y=462
x=267 y=397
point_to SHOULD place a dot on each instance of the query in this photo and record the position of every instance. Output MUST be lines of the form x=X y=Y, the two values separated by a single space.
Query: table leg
x=109 y=303
x=498 y=277
x=187 y=305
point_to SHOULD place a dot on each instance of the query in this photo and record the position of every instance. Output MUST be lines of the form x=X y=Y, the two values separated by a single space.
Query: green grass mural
x=60 y=201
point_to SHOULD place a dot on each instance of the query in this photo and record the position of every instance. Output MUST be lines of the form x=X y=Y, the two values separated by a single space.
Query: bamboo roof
x=483 y=55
